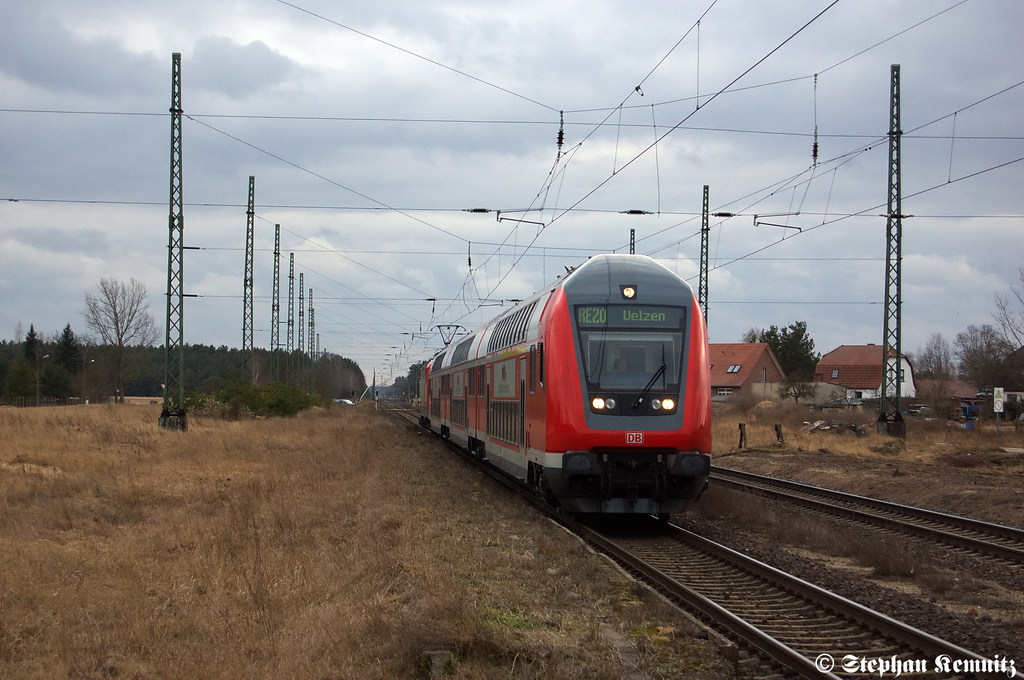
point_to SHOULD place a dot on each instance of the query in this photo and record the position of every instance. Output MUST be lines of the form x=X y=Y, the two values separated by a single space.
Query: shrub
x=272 y=399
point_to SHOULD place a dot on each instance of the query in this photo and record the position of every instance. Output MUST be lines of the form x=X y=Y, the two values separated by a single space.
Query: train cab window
x=626 y=361
x=627 y=347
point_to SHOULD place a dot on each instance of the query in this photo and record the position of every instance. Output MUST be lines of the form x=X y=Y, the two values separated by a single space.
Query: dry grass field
x=338 y=544
x=976 y=473
x=927 y=441
x=972 y=473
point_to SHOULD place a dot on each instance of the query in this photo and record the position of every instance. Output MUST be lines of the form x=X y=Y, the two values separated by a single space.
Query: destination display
x=629 y=316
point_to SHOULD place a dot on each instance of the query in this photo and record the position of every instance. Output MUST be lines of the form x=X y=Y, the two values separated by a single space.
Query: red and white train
x=595 y=391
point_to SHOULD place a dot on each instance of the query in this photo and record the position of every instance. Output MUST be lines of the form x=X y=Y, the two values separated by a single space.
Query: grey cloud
x=44 y=53
x=222 y=65
x=87 y=242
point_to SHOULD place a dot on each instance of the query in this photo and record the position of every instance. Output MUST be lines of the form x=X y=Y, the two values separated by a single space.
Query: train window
x=462 y=351
x=540 y=363
x=438 y=360
x=533 y=369
x=630 y=360
x=511 y=329
x=471 y=382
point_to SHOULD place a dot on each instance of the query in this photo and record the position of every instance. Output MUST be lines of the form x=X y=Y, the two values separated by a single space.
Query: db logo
x=634 y=437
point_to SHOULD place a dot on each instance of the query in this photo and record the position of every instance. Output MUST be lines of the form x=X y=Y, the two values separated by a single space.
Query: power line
x=417 y=56
x=196 y=117
x=328 y=180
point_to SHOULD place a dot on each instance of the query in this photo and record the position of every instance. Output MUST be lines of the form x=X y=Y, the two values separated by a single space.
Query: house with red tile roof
x=858 y=369
x=744 y=368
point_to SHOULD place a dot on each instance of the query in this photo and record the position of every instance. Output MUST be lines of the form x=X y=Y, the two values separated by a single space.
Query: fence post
x=778 y=434
x=743 y=435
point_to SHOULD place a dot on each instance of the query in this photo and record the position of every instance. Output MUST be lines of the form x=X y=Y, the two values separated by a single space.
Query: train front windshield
x=630 y=347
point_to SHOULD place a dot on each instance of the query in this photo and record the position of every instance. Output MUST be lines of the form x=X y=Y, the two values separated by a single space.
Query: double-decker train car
x=594 y=391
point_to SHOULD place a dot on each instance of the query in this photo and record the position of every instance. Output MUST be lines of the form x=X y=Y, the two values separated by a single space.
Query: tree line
x=985 y=356
x=120 y=358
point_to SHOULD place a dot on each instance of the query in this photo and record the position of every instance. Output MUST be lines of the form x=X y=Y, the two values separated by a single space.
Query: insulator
x=561 y=137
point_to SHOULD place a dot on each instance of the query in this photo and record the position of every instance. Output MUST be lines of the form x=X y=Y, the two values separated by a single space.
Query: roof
x=733 y=363
x=856 y=366
x=956 y=389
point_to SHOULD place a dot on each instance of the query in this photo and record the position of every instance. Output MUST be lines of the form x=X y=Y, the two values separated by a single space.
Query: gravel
x=979 y=634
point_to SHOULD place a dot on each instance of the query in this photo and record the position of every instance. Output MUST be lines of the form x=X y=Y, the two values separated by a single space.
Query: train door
x=522 y=406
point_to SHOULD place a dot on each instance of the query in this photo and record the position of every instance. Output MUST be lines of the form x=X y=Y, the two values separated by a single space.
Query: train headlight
x=609 y=403
x=598 y=404
x=656 y=404
x=668 y=404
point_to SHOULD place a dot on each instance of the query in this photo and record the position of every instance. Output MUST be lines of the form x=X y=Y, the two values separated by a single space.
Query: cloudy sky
x=373 y=129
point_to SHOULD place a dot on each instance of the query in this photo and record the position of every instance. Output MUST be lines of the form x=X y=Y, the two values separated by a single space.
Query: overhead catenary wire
x=670 y=131
x=416 y=55
x=531 y=254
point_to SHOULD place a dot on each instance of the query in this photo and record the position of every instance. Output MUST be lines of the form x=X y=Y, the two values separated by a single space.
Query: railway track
x=976 y=536
x=805 y=629
x=785 y=626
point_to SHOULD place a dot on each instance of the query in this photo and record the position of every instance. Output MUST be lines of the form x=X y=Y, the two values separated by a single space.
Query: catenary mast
x=172 y=416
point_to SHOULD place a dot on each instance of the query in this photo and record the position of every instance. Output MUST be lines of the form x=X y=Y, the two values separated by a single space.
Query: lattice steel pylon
x=275 y=306
x=172 y=416
x=312 y=349
x=291 y=317
x=248 y=374
x=702 y=284
x=302 y=313
x=291 y=304
x=890 y=419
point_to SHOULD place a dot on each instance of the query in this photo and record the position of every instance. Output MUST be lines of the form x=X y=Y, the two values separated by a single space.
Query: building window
x=735 y=368
x=764 y=375
x=835 y=373
x=725 y=391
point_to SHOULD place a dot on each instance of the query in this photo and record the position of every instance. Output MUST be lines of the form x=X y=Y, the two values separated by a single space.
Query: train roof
x=598 y=272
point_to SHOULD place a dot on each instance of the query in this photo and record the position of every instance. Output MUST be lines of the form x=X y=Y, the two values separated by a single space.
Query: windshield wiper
x=650 y=383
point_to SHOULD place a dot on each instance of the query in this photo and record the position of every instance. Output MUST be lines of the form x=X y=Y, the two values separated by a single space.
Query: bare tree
x=982 y=352
x=1011 y=322
x=796 y=389
x=120 y=315
x=935 y=361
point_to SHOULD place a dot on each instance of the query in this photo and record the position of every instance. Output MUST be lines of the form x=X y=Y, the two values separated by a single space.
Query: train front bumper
x=628 y=480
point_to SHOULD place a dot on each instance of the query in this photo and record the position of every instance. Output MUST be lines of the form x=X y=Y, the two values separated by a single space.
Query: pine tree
x=792 y=347
x=21 y=380
x=33 y=345
x=69 y=354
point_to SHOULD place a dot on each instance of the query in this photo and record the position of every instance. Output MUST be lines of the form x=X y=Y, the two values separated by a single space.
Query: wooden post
x=778 y=434
x=743 y=435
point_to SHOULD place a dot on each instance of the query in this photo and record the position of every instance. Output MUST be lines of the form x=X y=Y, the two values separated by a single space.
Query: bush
x=272 y=399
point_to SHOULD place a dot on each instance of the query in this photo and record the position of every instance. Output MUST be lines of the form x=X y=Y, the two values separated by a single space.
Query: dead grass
x=336 y=544
x=927 y=441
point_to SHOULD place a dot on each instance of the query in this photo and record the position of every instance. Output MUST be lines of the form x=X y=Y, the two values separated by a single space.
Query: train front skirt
x=626 y=481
